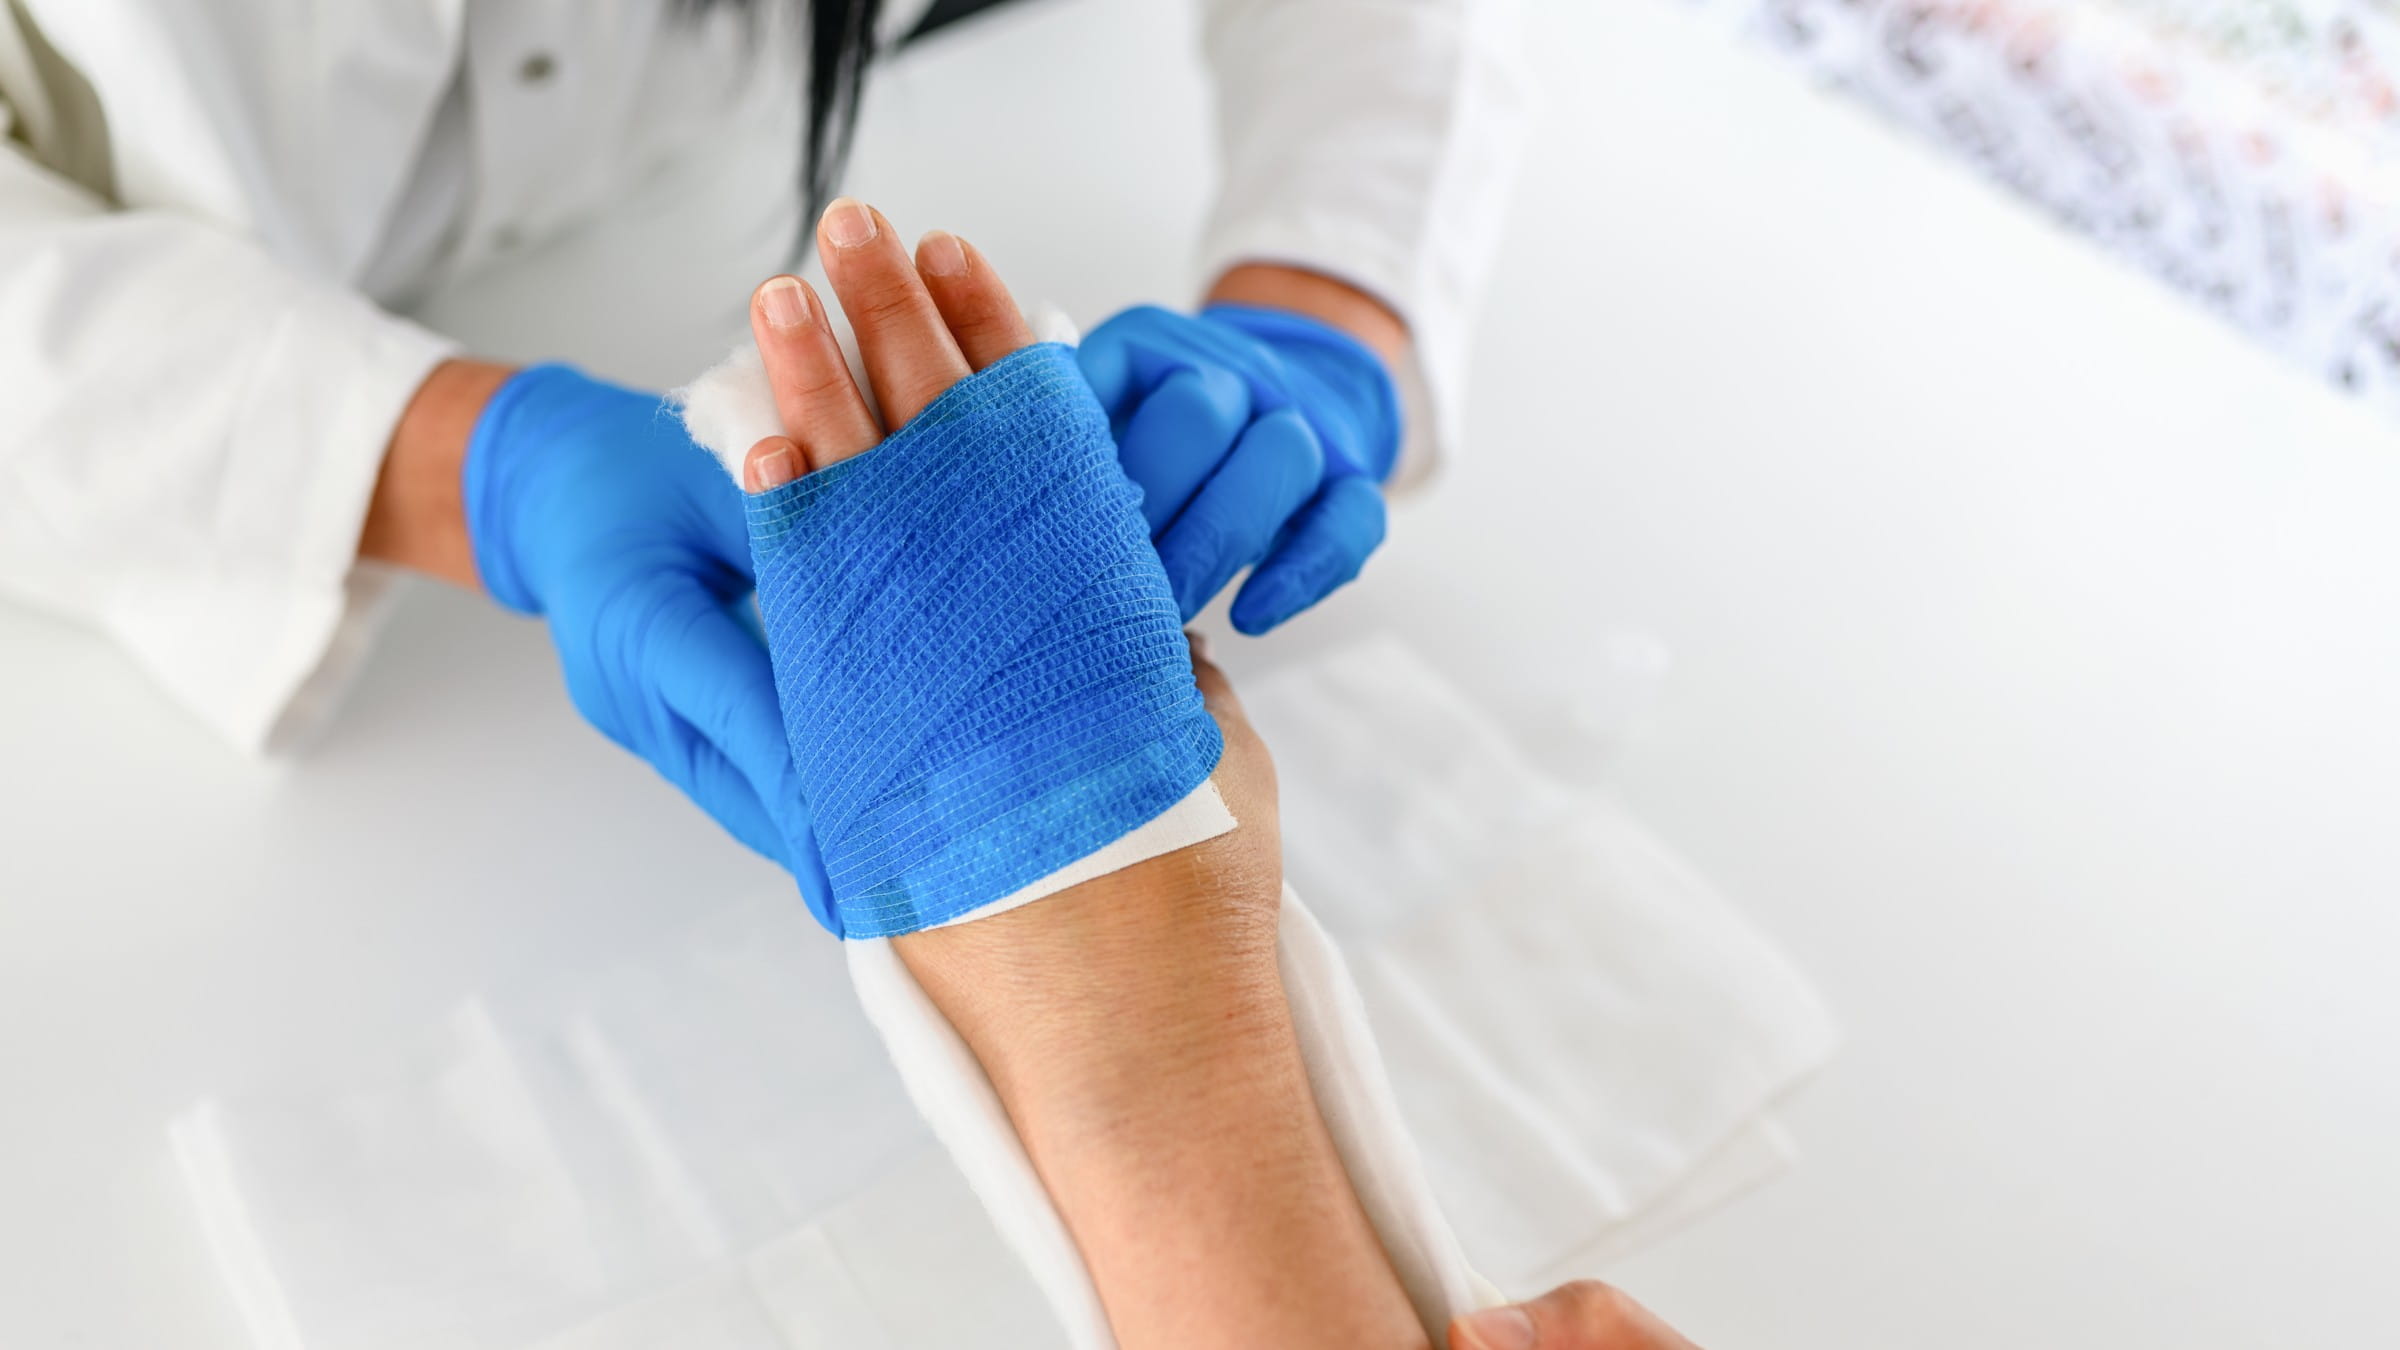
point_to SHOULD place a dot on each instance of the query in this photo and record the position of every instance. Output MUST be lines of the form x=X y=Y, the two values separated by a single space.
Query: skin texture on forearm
x=417 y=518
x=1137 y=1030
x=1138 y=1034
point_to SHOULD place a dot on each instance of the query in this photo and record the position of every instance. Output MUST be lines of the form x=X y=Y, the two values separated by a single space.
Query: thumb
x=1581 y=1315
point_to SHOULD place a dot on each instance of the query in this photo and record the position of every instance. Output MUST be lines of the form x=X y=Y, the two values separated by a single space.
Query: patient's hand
x=1135 y=1025
x=1581 y=1315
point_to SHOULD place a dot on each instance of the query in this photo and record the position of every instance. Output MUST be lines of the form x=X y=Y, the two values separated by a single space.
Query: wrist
x=1329 y=300
x=1337 y=382
x=1073 y=1002
x=417 y=517
x=1337 y=348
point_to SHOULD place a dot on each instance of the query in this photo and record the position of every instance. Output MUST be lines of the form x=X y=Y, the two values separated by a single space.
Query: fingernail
x=784 y=305
x=774 y=468
x=1500 y=1329
x=848 y=223
x=941 y=254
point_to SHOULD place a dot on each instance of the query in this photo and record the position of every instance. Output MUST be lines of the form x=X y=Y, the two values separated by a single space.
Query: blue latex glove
x=1257 y=436
x=588 y=505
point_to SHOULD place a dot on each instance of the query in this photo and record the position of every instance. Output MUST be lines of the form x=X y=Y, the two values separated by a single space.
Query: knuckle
x=1223 y=391
x=889 y=301
x=977 y=304
x=1204 y=396
x=1237 y=530
x=1180 y=395
x=1597 y=1307
x=822 y=385
x=1297 y=453
x=989 y=325
x=1278 y=464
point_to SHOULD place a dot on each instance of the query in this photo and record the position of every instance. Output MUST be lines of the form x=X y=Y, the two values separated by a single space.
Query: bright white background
x=2037 y=684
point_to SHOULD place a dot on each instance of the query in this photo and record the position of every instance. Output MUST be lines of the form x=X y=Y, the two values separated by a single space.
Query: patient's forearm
x=1137 y=1031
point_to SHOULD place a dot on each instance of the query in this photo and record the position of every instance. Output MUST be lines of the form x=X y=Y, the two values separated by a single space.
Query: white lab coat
x=206 y=207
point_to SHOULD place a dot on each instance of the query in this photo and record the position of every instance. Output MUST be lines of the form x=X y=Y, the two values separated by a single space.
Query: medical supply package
x=2243 y=151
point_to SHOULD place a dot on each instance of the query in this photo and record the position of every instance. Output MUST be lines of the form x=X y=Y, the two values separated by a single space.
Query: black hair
x=841 y=44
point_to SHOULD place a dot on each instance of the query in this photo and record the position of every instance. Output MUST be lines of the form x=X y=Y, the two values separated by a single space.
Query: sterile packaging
x=2240 y=150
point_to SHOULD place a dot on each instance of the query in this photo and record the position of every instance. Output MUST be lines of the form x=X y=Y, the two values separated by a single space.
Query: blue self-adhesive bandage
x=978 y=657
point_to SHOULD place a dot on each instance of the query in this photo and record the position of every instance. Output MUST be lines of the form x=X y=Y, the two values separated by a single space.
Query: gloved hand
x=588 y=504
x=1258 y=436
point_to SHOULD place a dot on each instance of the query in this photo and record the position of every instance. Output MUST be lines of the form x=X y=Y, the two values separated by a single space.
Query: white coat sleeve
x=189 y=437
x=1373 y=141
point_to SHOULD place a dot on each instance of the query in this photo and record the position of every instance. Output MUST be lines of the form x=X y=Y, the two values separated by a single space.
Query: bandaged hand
x=1260 y=436
x=922 y=326
x=1134 y=1025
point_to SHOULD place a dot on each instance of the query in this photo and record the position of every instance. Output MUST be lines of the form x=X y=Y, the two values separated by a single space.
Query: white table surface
x=2037 y=684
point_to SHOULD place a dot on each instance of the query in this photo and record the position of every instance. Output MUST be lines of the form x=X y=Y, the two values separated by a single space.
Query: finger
x=1273 y=471
x=1582 y=1315
x=909 y=354
x=716 y=679
x=1179 y=435
x=1325 y=549
x=719 y=520
x=710 y=776
x=707 y=776
x=1118 y=365
x=983 y=317
x=1107 y=366
x=770 y=464
x=819 y=403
